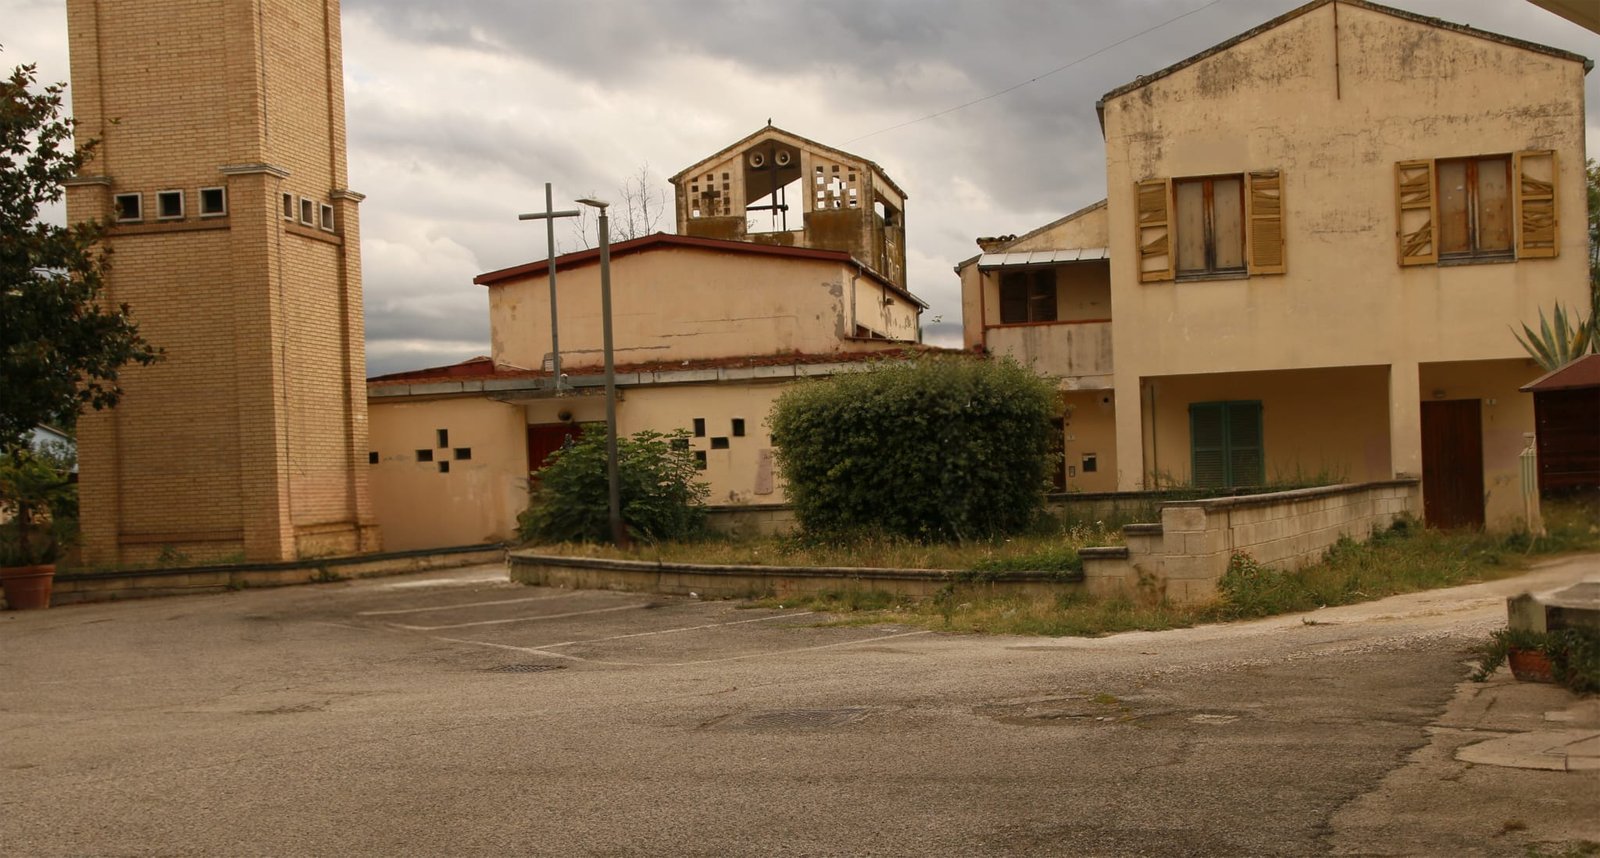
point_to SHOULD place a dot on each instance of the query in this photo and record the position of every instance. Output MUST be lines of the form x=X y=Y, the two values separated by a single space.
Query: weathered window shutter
x=1208 y=442
x=1154 y=230
x=1225 y=442
x=1416 y=212
x=1245 y=464
x=1534 y=186
x=1263 y=201
x=1013 y=297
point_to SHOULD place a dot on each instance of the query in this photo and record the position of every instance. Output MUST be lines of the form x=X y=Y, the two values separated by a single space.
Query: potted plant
x=1570 y=657
x=36 y=489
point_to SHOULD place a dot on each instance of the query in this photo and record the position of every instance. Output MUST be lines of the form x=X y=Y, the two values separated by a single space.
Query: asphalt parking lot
x=595 y=629
x=459 y=714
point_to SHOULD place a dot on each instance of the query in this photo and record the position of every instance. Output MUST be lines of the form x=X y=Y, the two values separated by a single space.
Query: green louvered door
x=1225 y=443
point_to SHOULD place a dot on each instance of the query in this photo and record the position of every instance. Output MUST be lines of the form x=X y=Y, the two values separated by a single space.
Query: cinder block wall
x=1185 y=555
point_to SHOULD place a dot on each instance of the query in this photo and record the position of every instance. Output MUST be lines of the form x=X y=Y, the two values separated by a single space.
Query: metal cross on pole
x=549 y=216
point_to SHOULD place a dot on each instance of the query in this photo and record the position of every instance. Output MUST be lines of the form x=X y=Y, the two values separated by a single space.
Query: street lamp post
x=549 y=216
x=619 y=535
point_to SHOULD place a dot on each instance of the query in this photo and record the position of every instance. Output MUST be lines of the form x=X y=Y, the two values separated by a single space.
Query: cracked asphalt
x=458 y=714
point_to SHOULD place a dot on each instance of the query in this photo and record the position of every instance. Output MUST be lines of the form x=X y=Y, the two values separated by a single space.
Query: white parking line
x=521 y=619
x=680 y=629
x=538 y=651
x=466 y=605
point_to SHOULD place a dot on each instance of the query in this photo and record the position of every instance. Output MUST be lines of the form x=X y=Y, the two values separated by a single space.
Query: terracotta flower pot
x=1530 y=665
x=27 y=588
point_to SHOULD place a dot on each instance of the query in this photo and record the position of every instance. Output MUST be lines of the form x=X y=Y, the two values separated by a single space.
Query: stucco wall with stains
x=676 y=304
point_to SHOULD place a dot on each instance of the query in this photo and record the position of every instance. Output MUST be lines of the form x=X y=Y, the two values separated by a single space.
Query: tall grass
x=1049 y=547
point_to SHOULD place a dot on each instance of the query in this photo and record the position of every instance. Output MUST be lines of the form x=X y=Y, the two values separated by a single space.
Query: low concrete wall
x=76 y=587
x=1184 y=555
x=734 y=582
x=749 y=521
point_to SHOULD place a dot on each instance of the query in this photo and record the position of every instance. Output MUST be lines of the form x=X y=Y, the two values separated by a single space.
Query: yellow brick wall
x=250 y=438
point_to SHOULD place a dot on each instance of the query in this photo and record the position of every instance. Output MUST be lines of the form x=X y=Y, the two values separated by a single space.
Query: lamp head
x=599 y=204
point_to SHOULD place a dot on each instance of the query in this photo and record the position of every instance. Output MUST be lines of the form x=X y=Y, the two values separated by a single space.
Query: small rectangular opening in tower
x=738 y=427
x=372 y=457
x=169 y=205
x=424 y=455
x=213 y=202
x=700 y=460
x=443 y=436
x=327 y=217
x=719 y=443
x=444 y=467
x=308 y=211
x=463 y=453
x=288 y=206
x=130 y=208
x=699 y=427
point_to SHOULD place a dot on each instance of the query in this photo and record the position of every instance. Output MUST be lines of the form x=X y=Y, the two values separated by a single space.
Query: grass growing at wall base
x=1050 y=549
x=1405 y=559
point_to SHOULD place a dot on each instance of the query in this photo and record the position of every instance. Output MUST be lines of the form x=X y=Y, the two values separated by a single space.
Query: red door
x=546 y=438
x=1452 y=463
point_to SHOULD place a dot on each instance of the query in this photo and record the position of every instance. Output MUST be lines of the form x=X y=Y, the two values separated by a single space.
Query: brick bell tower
x=236 y=242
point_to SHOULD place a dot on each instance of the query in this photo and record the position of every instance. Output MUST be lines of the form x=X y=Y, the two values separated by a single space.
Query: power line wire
x=1037 y=78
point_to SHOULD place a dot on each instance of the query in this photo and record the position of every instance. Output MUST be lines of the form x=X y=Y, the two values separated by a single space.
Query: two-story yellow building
x=1315 y=241
x=775 y=278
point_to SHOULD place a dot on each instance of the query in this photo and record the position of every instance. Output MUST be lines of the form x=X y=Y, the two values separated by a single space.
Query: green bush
x=662 y=497
x=935 y=448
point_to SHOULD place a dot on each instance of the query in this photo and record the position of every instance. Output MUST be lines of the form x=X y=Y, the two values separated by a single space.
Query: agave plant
x=1560 y=340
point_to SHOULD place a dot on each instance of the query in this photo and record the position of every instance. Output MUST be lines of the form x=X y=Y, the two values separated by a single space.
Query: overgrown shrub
x=662 y=497
x=935 y=448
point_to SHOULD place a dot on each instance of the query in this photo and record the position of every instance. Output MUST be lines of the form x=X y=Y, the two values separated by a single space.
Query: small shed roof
x=1581 y=373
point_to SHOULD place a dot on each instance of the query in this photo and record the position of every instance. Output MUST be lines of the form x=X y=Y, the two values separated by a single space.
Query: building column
x=1405 y=420
x=1129 y=413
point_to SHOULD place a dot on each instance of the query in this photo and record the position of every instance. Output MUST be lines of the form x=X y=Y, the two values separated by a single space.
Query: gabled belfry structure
x=774 y=187
x=236 y=241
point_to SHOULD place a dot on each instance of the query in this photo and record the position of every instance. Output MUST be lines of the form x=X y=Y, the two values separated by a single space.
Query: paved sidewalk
x=1509 y=768
x=1527 y=725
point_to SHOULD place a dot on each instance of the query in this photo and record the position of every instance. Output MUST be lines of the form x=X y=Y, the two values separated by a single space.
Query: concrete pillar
x=1405 y=420
x=1130 y=433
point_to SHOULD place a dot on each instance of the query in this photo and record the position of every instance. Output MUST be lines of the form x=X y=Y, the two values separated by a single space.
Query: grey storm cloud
x=459 y=112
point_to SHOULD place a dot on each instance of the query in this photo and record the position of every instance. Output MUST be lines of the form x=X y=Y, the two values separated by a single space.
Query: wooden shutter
x=1263 y=200
x=1154 y=230
x=1416 y=212
x=1208 y=443
x=1534 y=200
x=1013 y=297
x=1245 y=464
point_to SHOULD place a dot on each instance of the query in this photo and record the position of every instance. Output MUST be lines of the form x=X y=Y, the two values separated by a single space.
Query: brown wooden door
x=546 y=438
x=1452 y=463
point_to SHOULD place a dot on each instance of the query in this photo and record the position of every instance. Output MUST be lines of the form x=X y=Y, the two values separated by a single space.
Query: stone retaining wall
x=105 y=586
x=735 y=582
x=1184 y=555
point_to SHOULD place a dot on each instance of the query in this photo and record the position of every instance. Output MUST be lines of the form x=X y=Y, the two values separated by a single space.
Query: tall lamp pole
x=549 y=216
x=619 y=535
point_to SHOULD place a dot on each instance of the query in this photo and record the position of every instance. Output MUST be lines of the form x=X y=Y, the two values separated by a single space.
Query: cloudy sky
x=460 y=111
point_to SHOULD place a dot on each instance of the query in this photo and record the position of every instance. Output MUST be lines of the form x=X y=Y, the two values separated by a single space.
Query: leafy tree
x=60 y=347
x=936 y=448
x=662 y=496
x=1592 y=173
